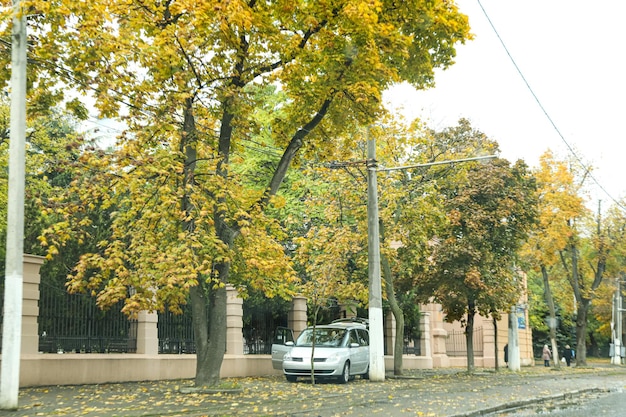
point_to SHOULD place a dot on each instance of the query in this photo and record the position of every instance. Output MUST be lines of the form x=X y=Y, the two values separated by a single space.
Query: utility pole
x=514 y=355
x=616 y=325
x=14 y=275
x=620 y=311
x=377 y=345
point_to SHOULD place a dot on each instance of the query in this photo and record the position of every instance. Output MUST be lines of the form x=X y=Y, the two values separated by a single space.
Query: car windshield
x=327 y=337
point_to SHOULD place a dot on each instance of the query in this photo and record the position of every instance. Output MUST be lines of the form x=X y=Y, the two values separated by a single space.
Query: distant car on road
x=340 y=350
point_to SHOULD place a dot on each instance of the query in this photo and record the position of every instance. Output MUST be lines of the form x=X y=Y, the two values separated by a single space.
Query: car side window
x=363 y=337
x=353 y=337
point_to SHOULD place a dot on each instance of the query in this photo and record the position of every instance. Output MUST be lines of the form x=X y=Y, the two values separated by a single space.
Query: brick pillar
x=234 y=322
x=347 y=310
x=438 y=335
x=30 y=304
x=425 y=339
x=297 y=315
x=147 y=333
x=390 y=333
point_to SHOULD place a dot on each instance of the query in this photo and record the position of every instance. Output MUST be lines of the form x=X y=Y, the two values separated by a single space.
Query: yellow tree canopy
x=185 y=76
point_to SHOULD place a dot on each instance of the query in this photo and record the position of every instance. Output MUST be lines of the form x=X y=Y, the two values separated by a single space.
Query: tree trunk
x=199 y=304
x=314 y=340
x=209 y=335
x=581 y=332
x=209 y=332
x=552 y=324
x=398 y=347
x=469 y=337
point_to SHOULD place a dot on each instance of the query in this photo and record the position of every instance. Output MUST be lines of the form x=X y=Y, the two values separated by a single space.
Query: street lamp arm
x=447 y=162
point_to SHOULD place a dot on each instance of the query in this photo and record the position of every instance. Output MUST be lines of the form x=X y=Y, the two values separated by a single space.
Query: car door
x=282 y=335
x=363 y=349
x=359 y=356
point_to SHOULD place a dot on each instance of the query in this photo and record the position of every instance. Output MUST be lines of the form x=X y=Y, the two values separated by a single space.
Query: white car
x=340 y=350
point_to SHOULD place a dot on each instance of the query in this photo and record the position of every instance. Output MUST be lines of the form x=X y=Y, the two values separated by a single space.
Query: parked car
x=341 y=351
x=282 y=343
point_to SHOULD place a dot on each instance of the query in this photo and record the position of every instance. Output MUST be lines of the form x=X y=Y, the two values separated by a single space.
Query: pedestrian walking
x=546 y=355
x=506 y=354
x=567 y=355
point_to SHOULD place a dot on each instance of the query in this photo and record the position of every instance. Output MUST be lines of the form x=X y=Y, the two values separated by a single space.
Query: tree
x=326 y=254
x=615 y=220
x=490 y=215
x=181 y=73
x=585 y=259
x=50 y=151
x=559 y=203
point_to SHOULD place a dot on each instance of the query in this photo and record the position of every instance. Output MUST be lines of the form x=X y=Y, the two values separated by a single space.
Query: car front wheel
x=345 y=375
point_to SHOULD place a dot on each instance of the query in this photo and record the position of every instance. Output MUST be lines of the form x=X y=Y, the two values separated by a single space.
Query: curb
x=527 y=402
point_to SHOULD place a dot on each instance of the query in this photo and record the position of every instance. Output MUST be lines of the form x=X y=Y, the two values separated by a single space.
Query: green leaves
x=490 y=215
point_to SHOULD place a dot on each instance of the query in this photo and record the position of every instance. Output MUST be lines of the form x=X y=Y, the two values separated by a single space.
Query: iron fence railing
x=176 y=331
x=74 y=323
x=456 y=343
x=260 y=323
x=412 y=345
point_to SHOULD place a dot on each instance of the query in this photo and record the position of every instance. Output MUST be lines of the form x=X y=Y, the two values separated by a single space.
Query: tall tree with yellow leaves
x=183 y=74
x=560 y=202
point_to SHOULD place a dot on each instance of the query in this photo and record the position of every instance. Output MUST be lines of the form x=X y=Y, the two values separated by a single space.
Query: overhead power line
x=545 y=112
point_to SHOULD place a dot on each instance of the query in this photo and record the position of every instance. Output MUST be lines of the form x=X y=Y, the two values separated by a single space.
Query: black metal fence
x=456 y=343
x=74 y=323
x=176 y=332
x=412 y=345
x=261 y=319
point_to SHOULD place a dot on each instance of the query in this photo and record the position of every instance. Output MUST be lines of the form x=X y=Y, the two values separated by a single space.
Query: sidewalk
x=434 y=393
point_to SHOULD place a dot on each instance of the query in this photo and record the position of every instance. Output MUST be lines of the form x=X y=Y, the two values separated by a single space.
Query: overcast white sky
x=571 y=53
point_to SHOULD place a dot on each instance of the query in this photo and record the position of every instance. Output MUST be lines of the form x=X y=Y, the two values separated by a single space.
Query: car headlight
x=287 y=357
x=333 y=358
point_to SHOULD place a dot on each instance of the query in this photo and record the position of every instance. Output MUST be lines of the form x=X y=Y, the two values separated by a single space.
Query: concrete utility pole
x=620 y=311
x=514 y=355
x=377 y=345
x=616 y=326
x=14 y=275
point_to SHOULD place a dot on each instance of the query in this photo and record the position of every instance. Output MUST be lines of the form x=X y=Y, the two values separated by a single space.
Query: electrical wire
x=545 y=112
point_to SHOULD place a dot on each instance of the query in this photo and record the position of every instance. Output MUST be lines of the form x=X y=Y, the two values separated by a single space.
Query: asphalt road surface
x=602 y=404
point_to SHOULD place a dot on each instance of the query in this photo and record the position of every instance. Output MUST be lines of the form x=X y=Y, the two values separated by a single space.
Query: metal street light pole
x=14 y=275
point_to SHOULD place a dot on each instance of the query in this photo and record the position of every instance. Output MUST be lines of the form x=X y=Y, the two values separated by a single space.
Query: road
x=605 y=404
x=427 y=393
